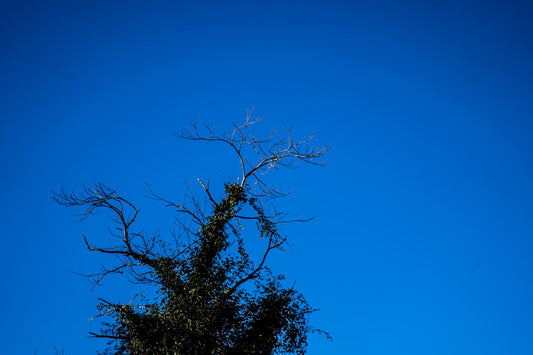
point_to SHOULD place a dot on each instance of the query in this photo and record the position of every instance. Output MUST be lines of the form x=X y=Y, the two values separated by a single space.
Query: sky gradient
x=422 y=242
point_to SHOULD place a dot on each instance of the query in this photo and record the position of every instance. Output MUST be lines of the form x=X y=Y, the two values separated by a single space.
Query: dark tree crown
x=212 y=297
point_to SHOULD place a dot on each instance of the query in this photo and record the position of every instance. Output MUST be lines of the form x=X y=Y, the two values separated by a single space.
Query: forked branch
x=271 y=152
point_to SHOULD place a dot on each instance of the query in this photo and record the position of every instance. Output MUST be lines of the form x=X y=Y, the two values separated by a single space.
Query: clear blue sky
x=423 y=239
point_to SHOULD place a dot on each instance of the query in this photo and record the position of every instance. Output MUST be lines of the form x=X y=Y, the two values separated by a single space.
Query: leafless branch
x=271 y=152
x=124 y=214
x=255 y=272
x=180 y=208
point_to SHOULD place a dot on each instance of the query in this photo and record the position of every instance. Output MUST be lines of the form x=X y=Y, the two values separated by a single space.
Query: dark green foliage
x=212 y=298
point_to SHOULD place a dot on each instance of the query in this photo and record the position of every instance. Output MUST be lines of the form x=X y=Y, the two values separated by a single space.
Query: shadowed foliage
x=212 y=298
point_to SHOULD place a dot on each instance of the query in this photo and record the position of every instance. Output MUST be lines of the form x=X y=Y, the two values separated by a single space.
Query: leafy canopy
x=212 y=298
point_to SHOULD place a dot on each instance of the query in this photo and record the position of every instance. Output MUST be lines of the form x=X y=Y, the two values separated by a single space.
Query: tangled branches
x=213 y=298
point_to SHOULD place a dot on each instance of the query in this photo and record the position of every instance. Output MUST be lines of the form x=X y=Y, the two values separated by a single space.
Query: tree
x=212 y=298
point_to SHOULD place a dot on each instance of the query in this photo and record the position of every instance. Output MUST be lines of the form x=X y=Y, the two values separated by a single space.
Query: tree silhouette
x=212 y=298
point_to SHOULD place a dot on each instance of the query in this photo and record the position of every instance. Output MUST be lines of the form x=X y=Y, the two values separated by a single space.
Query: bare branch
x=206 y=189
x=179 y=208
x=255 y=273
x=271 y=152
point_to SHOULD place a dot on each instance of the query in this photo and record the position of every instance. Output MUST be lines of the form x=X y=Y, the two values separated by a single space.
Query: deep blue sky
x=423 y=237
